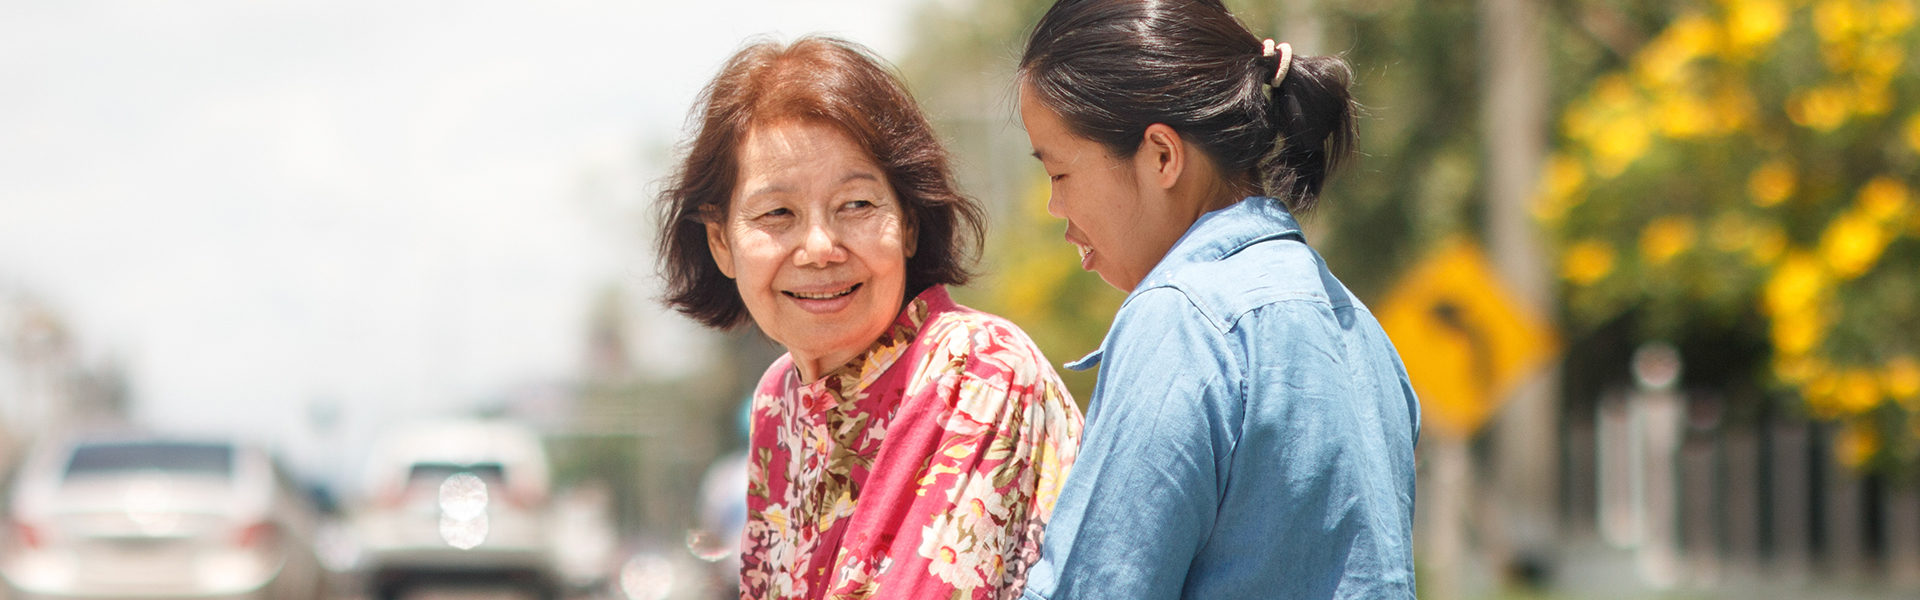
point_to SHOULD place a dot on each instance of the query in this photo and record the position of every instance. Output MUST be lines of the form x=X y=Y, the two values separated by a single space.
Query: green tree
x=1747 y=170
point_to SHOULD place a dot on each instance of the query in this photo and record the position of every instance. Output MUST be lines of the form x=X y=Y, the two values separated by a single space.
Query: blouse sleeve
x=1009 y=435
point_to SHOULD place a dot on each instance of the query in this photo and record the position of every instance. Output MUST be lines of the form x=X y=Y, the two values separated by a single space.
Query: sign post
x=1467 y=343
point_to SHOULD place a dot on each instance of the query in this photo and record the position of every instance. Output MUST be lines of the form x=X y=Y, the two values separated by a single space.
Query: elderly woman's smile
x=826 y=295
x=816 y=240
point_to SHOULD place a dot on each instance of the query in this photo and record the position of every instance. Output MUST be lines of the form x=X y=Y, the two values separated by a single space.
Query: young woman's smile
x=1117 y=216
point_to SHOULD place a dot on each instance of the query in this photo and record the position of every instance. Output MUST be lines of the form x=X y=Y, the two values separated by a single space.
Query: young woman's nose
x=1054 y=207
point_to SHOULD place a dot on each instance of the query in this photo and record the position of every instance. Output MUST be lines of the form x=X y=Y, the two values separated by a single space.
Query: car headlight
x=231 y=570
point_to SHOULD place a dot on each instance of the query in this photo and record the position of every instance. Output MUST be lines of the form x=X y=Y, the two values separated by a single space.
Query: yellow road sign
x=1466 y=340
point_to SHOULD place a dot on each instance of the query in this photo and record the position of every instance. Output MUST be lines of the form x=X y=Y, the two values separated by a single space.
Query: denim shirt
x=1250 y=435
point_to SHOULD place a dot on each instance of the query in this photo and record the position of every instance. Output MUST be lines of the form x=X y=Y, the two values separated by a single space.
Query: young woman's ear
x=1162 y=157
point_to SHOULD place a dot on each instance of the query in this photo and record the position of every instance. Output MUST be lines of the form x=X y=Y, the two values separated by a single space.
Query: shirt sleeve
x=1009 y=432
x=1145 y=491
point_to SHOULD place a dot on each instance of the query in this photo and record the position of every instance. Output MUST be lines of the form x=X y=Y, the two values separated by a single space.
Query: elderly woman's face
x=816 y=242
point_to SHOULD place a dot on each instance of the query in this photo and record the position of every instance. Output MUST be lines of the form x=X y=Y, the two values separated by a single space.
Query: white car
x=459 y=502
x=155 y=517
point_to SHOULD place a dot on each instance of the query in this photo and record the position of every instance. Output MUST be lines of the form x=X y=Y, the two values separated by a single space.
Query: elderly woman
x=905 y=446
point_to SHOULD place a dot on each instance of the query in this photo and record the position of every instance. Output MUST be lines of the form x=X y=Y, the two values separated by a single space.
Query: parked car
x=151 y=517
x=460 y=502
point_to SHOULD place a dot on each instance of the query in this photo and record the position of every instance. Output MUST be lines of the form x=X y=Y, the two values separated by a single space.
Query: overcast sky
x=398 y=206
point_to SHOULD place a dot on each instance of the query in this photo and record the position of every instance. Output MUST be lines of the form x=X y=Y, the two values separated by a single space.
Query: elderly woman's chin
x=824 y=327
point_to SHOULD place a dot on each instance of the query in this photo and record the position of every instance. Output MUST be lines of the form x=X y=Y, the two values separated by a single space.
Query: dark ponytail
x=1314 y=126
x=1111 y=68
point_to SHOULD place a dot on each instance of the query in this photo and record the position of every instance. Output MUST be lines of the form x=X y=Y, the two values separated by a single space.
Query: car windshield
x=170 y=457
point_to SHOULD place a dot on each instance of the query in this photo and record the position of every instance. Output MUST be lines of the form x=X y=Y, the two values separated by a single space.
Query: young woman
x=906 y=446
x=1251 y=433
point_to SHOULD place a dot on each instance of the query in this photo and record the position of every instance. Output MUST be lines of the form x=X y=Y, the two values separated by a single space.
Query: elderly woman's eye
x=860 y=204
x=778 y=212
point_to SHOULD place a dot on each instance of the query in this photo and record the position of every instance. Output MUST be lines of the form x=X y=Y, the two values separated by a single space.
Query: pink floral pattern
x=925 y=468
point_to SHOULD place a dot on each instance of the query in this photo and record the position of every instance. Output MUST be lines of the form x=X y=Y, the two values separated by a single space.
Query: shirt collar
x=1215 y=236
x=878 y=357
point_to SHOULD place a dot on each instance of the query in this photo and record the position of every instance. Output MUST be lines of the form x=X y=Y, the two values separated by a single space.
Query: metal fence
x=1700 y=496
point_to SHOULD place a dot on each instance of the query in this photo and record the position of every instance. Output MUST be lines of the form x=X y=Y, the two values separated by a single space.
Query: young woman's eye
x=1056 y=177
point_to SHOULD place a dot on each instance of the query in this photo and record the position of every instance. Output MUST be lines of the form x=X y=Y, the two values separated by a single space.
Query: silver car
x=458 y=503
x=150 y=517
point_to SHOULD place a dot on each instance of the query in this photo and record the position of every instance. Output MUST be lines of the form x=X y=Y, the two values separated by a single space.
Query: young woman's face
x=816 y=242
x=1121 y=222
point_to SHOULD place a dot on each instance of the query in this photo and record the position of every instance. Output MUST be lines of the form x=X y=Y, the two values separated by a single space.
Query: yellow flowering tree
x=1752 y=167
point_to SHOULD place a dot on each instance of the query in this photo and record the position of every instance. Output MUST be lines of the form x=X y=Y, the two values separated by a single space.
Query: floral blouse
x=924 y=468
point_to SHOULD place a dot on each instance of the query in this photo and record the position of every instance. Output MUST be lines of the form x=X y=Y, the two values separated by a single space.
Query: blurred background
x=1654 y=267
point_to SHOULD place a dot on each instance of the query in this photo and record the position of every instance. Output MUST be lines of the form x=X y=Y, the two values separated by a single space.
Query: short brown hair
x=827 y=81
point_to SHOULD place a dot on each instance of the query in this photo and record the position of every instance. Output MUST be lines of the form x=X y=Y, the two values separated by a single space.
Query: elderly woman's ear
x=717 y=244
x=910 y=236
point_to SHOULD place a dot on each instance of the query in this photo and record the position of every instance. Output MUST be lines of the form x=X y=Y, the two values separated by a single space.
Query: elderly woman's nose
x=820 y=245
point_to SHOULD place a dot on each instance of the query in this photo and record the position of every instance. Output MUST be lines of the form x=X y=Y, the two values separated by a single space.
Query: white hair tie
x=1285 y=50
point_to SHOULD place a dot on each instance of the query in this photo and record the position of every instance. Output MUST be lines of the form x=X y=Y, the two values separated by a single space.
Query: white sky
x=399 y=206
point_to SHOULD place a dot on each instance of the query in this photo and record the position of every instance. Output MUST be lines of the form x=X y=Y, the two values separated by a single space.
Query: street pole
x=1525 y=469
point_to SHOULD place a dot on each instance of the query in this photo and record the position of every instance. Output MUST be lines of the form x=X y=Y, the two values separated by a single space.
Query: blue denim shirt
x=1250 y=436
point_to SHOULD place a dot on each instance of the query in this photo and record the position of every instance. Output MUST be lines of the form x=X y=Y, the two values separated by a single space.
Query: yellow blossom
x=1613 y=91
x=1613 y=124
x=1617 y=146
x=1870 y=95
x=1795 y=286
x=1694 y=34
x=1902 y=377
x=1836 y=20
x=1796 y=333
x=1665 y=238
x=1587 y=261
x=1752 y=24
x=1883 y=199
x=1664 y=60
x=1560 y=182
x=1822 y=108
x=1891 y=17
x=1881 y=60
x=1858 y=391
x=1852 y=244
x=1661 y=63
x=1913 y=132
x=1856 y=445
x=1772 y=182
x=1581 y=123
x=1684 y=116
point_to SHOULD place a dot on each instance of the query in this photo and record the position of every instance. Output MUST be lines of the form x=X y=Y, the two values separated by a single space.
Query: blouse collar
x=1215 y=236
x=878 y=357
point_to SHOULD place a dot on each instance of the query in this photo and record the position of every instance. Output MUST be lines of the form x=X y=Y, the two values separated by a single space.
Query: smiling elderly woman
x=906 y=446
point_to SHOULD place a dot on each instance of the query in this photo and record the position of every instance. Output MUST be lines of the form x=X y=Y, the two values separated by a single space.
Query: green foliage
x=1757 y=158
